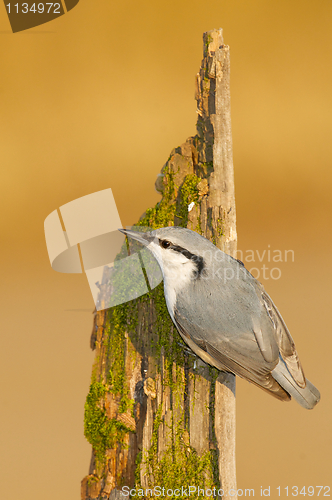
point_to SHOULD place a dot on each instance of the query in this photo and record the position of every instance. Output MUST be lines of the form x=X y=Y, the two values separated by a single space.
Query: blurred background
x=98 y=98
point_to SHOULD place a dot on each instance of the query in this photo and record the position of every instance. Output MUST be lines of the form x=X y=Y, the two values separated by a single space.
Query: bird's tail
x=307 y=397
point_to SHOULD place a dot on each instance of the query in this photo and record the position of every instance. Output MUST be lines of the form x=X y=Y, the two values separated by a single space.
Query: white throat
x=177 y=272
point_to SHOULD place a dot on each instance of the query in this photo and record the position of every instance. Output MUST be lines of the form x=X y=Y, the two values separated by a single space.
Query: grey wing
x=269 y=338
x=285 y=342
x=237 y=354
x=265 y=336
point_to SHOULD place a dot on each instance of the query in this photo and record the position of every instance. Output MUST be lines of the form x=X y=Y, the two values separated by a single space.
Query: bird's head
x=179 y=252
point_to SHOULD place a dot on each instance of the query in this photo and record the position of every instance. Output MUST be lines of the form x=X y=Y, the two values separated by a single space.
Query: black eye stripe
x=184 y=252
x=199 y=261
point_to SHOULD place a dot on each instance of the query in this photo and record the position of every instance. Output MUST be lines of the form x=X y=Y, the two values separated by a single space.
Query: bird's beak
x=144 y=238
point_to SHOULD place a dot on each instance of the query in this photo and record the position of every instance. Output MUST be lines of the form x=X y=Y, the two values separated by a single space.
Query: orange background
x=98 y=99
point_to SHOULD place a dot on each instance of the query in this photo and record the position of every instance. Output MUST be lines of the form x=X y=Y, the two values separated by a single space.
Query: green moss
x=189 y=194
x=159 y=216
x=180 y=465
x=162 y=214
x=153 y=451
x=138 y=462
x=101 y=432
x=206 y=167
x=199 y=227
x=219 y=228
x=95 y=370
x=126 y=281
x=104 y=433
x=93 y=479
x=169 y=341
x=208 y=40
x=213 y=372
x=116 y=348
x=116 y=327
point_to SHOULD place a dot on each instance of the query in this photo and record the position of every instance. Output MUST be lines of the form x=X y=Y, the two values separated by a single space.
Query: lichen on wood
x=155 y=415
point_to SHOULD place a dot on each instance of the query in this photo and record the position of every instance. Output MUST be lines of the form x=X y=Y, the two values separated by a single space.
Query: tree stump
x=155 y=415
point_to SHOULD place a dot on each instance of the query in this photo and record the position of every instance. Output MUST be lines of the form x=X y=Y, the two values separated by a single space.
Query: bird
x=225 y=315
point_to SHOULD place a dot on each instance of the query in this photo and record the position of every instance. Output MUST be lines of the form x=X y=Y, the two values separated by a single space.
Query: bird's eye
x=165 y=243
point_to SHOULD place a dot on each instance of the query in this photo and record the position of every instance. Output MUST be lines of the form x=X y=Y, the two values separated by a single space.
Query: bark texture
x=156 y=415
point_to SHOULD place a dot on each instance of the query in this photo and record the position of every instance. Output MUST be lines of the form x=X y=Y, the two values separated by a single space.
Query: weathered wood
x=221 y=201
x=156 y=415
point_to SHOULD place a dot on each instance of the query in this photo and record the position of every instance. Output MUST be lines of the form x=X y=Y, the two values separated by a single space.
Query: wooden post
x=156 y=415
x=214 y=81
